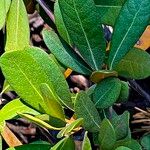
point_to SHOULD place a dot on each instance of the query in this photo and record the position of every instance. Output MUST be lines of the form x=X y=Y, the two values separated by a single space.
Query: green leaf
x=132 y=144
x=1 y=146
x=51 y=120
x=4 y=7
x=135 y=65
x=123 y=148
x=84 y=108
x=39 y=122
x=99 y=75
x=65 y=54
x=60 y=24
x=131 y=23
x=32 y=67
x=109 y=10
x=68 y=129
x=109 y=2
x=121 y=125
x=61 y=66
x=39 y=145
x=51 y=101
x=124 y=93
x=107 y=137
x=11 y=110
x=6 y=88
x=91 y=89
x=89 y=38
x=65 y=144
x=17 y=26
x=106 y=92
x=145 y=142
x=86 y=145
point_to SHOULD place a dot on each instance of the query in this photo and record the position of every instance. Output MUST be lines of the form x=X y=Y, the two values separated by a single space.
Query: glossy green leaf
x=109 y=10
x=32 y=67
x=121 y=125
x=123 y=148
x=39 y=122
x=11 y=110
x=68 y=129
x=135 y=65
x=65 y=54
x=84 y=108
x=89 y=38
x=99 y=75
x=86 y=145
x=107 y=137
x=4 y=7
x=60 y=24
x=65 y=144
x=124 y=93
x=134 y=16
x=145 y=142
x=17 y=26
x=132 y=144
x=106 y=92
x=51 y=101
x=40 y=145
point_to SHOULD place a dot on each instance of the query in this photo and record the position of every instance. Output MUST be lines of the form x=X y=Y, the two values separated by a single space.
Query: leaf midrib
x=86 y=38
x=103 y=95
x=111 y=65
x=108 y=6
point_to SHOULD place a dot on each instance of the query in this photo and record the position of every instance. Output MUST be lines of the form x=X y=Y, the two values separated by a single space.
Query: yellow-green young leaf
x=38 y=121
x=68 y=129
x=11 y=109
x=82 y=23
x=1 y=148
x=65 y=144
x=26 y=70
x=17 y=27
x=4 y=7
x=51 y=101
x=84 y=108
x=86 y=145
x=107 y=137
x=131 y=23
x=99 y=75
x=134 y=65
x=106 y=92
x=6 y=88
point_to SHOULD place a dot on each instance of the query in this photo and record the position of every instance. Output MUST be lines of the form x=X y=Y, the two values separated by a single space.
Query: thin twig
x=139 y=89
x=47 y=10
